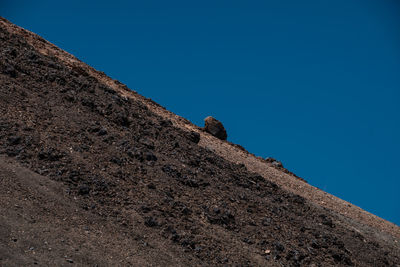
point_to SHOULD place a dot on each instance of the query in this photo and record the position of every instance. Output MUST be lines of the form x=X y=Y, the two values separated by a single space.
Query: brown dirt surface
x=93 y=174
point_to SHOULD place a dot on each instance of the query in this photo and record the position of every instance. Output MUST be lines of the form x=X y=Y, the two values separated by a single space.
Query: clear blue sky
x=315 y=84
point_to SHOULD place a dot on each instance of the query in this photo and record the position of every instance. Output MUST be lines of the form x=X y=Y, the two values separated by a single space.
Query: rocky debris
x=266 y=221
x=83 y=190
x=194 y=137
x=274 y=162
x=151 y=222
x=221 y=217
x=50 y=154
x=102 y=131
x=10 y=70
x=14 y=140
x=215 y=127
x=326 y=220
x=278 y=165
x=279 y=247
x=136 y=153
x=149 y=156
x=165 y=123
x=147 y=142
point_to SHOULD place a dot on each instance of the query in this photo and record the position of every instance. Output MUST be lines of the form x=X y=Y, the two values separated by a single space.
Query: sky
x=314 y=84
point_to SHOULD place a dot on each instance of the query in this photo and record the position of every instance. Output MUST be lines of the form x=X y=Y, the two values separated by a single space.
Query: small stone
x=151 y=186
x=194 y=137
x=135 y=153
x=314 y=244
x=266 y=222
x=83 y=190
x=197 y=248
x=147 y=142
x=274 y=162
x=150 y=222
x=278 y=246
x=14 y=140
x=186 y=211
x=116 y=160
x=150 y=156
x=102 y=131
x=10 y=70
x=69 y=260
x=267 y=251
x=165 y=123
x=327 y=221
x=123 y=120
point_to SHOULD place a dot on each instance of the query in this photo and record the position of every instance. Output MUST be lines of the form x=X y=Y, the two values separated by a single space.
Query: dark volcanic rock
x=215 y=128
x=14 y=140
x=274 y=162
x=10 y=70
x=102 y=131
x=194 y=137
x=83 y=190
x=150 y=222
x=150 y=156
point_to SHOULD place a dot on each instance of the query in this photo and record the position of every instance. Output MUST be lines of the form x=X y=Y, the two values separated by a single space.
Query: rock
x=314 y=244
x=14 y=140
x=147 y=143
x=145 y=209
x=215 y=127
x=10 y=70
x=166 y=123
x=135 y=153
x=50 y=154
x=225 y=217
x=83 y=190
x=194 y=137
x=266 y=222
x=14 y=151
x=274 y=162
x=171 y=171
x=149 y=156
x=295 y=257
x=278 y=246
x=116 y=160
x=151 y=186
x=150 y=222
x=122 y=120
x=327 y=221
x=186 y=211
x=102 y=131
x=189 y=182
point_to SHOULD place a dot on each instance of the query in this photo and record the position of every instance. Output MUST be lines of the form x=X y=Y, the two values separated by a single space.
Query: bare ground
x=105 y=176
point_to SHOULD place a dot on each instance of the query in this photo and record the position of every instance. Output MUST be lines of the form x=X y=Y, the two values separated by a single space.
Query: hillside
x=93 y=173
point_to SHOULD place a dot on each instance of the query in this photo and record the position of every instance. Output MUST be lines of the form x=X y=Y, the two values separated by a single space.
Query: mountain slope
x=143 y=186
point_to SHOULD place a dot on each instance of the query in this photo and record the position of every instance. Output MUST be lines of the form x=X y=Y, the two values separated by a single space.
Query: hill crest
x=134 y=161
